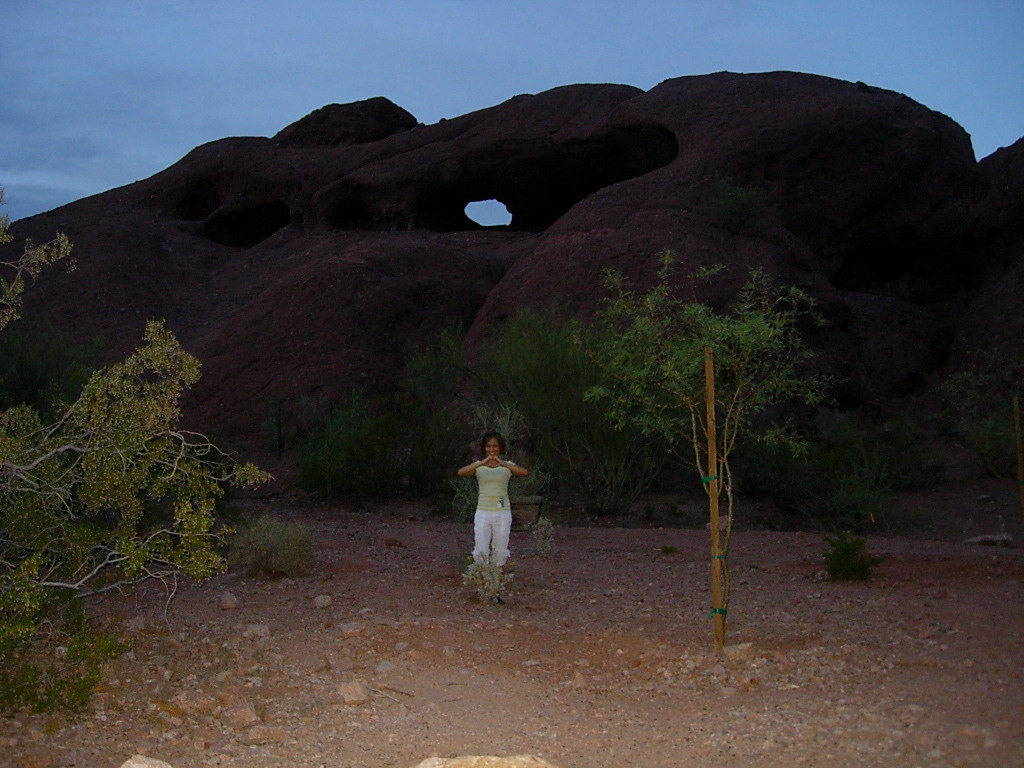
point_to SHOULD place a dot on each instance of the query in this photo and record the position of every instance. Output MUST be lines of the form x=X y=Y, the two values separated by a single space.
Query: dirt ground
x=602 y=654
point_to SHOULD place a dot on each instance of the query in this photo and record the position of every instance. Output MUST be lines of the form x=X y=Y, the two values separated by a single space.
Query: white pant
x=490 y=531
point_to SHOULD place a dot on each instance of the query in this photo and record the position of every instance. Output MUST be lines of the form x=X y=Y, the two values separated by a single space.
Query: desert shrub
x=271 y=547
x=787 y=478
x=846 y=559
x=541 y=366
x=486 y=581
x=353 y=453
x=511 y=425
x=373 y=447
x=863 y=466
x=978 y=405
x=735 y=207
x=463 y=491
x=542 y=536
x=77 y=497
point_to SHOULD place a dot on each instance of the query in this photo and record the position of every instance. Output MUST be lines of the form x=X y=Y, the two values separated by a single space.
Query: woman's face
x=492 y=448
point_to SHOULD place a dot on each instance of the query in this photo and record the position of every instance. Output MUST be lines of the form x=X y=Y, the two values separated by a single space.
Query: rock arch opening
x=537 y=183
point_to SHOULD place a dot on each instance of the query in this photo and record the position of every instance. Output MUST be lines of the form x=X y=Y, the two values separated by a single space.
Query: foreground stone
x=140 y=761
x=486 y=761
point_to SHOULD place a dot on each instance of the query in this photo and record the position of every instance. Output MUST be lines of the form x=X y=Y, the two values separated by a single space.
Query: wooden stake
x=718 y=607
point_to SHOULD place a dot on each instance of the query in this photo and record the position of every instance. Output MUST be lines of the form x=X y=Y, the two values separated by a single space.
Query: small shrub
x=863 y=465
x=542 y=534
x=432 y=411
x=846 y=560
x=464 y=497
x=287 y=422
x=270 y=547
x=669 y=549
x=486 y=580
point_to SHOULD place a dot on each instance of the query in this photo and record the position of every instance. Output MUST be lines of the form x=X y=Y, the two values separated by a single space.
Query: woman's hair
x=489 y=436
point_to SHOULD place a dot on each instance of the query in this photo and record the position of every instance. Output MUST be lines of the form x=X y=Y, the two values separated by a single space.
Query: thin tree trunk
x=712 y=480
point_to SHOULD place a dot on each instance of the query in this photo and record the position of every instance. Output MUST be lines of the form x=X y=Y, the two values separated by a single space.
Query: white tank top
x=493 y=482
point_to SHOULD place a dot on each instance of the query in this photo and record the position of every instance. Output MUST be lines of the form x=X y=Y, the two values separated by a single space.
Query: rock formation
x=306 y=264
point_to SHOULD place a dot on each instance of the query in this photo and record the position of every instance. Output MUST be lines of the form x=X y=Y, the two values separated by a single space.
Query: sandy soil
x=602 y=654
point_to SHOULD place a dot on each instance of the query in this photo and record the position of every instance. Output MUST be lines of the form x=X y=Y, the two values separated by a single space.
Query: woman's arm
x=515 y=469
x=469 y=469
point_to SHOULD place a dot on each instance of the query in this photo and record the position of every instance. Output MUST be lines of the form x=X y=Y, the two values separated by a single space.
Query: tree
x=657 y=366
x=108 y=493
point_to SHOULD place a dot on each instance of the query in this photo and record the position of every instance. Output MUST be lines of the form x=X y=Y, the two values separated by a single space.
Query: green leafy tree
x=657 y=359
x=106 y=494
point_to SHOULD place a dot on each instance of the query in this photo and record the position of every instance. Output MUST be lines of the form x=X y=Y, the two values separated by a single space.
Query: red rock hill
x=306 y=263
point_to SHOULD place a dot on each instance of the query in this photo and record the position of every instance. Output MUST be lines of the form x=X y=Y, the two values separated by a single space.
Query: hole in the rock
x=246 y=227
x=536 y=184
x=489 y=213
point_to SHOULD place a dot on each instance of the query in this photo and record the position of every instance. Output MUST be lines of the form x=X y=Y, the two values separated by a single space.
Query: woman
x=493 y=519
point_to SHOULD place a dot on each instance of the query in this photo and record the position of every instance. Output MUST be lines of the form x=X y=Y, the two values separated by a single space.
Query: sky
x=98 y=94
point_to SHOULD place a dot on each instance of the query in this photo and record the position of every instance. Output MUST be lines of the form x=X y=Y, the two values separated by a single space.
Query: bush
x=373 y=447
x=353 y=454
x=847 y=477
x=74 y=490
x=288 y=422
x=846 y=560
x=486 y=580
x=464 y=497
x=434 y=414
x=979 y=408
x=540 y=366
x=271 y=547
x=542 y=535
